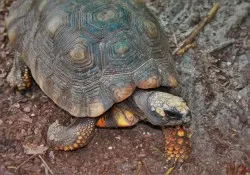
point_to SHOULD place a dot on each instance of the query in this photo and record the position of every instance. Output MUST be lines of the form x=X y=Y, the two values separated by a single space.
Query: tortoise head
x=162 y=108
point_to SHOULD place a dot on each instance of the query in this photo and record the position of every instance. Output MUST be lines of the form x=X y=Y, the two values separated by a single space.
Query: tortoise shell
x=87 y=55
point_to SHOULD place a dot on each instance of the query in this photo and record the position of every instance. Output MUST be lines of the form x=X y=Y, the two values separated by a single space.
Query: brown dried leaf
x=35 y=149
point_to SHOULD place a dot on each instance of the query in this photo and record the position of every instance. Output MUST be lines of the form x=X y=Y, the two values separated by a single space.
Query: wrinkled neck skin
x=137 y=102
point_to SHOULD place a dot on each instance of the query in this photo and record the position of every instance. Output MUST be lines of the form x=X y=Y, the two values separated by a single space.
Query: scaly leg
x=20 y=76
x=76 y=135
x=120 y=115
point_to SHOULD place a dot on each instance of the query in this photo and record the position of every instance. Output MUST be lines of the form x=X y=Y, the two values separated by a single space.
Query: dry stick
x=148 y=172
x=47 y=166
x=169 y=171
x=139 y=167
x=24 y=162
x=186 y=44
x=31 y=158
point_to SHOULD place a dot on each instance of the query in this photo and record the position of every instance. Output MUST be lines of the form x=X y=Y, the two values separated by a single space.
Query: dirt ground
x=215 y=81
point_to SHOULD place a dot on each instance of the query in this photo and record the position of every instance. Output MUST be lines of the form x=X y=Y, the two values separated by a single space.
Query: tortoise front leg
x=20 y=76
x=76 y=135
x=170 y=112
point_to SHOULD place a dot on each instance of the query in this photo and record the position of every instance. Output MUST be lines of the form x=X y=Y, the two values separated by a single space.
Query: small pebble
x=10 y=122
x=3 y=75
x=23 y=131
x=27 y=119
x=36 y=131
x=118 y=137
x=110 y=148
x=1 y=122
x=27 y=109
x=16 y=105
x=51 y=155
x=2 y=29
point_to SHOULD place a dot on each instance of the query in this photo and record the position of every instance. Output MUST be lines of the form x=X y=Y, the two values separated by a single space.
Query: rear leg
x=20 y=76
x=120 y=115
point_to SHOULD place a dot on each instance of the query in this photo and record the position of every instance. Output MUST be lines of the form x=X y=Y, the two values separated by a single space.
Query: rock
x=36 y=131
x=26 y=118
x=3 y=75
x=23 y=132
x=16 y=105
x=27 y=109
x=10 y=122
x=246 y=43
x=239 y=83
x=243 y=62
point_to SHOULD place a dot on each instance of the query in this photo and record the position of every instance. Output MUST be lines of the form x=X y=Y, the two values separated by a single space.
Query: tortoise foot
x=20 y=75
x=76 y=135
x=24 y=84
x=178 y=146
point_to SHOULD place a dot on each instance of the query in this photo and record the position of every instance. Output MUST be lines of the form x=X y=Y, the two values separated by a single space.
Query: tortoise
x=102 y=61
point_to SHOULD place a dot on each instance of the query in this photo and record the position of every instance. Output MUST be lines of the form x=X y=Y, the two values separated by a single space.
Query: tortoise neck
x=138 y=102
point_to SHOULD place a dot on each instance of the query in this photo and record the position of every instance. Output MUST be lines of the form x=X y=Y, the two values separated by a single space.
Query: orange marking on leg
x=66 y=148
x=101 y=122
x=78 y=141
x=75 y=145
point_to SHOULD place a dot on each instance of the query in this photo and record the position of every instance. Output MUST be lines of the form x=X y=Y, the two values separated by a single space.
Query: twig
x=24 y=162
x=46 y=165
x=175 y=39
x=139 y=167
x=170 y=170
x=189 y=40
x=146 y=167
x=184 y=49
